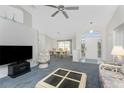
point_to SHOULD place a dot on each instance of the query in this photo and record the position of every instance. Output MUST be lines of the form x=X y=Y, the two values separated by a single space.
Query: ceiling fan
x=62 y=8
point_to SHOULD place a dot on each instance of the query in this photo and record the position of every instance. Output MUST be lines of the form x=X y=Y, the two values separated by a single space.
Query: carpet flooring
x=30 y=79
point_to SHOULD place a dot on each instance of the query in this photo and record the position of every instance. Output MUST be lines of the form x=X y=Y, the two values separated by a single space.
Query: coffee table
x=63 y=78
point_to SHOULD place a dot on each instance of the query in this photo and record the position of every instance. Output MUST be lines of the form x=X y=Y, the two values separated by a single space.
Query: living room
x=41 y=46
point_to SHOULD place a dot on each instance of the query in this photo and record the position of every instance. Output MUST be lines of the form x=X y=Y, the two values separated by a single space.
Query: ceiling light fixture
x=91 y=30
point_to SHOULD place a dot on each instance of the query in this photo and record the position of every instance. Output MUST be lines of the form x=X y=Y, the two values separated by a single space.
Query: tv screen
x=10 y=54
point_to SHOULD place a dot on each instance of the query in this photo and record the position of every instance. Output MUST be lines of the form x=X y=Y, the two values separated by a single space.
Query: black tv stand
x=18 y=68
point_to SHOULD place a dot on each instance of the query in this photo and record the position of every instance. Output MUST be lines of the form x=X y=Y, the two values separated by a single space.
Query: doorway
x=91 y=44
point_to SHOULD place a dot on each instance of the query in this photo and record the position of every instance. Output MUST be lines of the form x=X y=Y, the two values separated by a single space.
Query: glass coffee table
x=63 y=78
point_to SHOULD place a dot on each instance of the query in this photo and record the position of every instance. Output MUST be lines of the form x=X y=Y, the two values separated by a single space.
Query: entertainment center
x=15 y=56
x=17 y=69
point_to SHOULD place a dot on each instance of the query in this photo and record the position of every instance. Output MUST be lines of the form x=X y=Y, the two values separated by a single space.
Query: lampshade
x=117 y=51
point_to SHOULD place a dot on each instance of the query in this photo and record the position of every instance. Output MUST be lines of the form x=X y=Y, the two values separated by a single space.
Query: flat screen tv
x=12 y=53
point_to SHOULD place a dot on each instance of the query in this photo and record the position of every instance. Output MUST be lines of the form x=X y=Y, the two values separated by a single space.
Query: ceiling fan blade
x=65 y=14
x=72 y=8
x=54 y=13
x=53 y=6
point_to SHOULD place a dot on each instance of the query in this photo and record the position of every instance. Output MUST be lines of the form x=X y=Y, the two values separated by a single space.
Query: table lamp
x=117 y=53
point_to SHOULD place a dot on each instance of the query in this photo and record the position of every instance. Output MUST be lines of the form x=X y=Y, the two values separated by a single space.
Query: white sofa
x=111 y=76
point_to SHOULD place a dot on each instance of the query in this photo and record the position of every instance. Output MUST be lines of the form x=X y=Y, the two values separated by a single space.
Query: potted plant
x=83 y=50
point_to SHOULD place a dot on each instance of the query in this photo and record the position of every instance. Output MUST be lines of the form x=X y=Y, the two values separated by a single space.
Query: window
x=11 y=13
x=64 y=45
x=67 y=45
x=61 y=44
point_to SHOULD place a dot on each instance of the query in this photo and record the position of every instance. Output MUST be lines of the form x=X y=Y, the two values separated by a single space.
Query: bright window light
x=91 y=31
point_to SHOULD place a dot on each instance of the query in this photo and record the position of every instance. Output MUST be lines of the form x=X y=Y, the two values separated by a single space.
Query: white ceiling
x=78 y=20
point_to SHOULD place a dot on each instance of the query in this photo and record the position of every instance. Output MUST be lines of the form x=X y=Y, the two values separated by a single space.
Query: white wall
x=42 y=40
x=49 y=43
x=16 y=34
x=27 y=17
x=117 y=19
x=78 y=44
x=54 y=43
x=45 y=42
x=104 y=44
x=118 y=35
x=74 y=43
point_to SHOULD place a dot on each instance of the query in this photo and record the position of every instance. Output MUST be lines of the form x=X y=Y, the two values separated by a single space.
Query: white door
x=91 y=48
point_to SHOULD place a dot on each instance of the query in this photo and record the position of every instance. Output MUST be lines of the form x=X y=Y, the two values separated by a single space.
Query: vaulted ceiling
x=79 y=20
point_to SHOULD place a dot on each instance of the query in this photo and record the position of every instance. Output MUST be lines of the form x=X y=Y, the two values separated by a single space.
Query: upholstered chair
x=61 y=52
x=65 y=52
x=44 y=58
x=55 y=53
